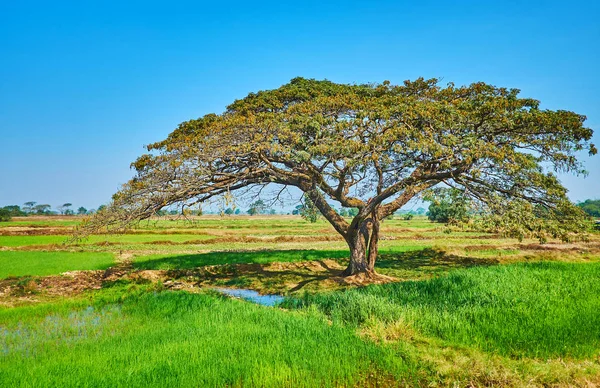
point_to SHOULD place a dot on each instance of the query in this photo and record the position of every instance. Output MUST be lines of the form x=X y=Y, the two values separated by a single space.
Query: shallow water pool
x=252 y=296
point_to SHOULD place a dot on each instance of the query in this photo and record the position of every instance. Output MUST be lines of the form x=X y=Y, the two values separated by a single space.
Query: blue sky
x=85 y=85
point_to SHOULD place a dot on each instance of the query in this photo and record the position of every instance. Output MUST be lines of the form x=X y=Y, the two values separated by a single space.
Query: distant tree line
x=41 y=209
x=591 y=207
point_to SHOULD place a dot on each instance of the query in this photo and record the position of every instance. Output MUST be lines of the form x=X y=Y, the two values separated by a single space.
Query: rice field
x=140 y=309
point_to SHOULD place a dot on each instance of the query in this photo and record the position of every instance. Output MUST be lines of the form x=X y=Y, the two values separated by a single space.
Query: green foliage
x=447 y=206
x=591 y=207
x=14 y=211
x=309 y=211
x=535 y=309
x=229 y=211
x=5 y=215
x=522 y=219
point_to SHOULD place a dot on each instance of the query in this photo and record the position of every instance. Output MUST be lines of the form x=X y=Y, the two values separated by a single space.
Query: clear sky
x=85 y=85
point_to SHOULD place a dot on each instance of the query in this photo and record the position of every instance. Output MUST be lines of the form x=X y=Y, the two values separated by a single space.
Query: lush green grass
x=16 y=241
x=181 y=339
x=537 y=310
x=23 y=263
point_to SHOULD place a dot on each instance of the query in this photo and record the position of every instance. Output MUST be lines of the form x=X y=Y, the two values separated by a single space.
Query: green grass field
x=181 y=339
x=14 y=263
x=541 y=310
x=467 y=309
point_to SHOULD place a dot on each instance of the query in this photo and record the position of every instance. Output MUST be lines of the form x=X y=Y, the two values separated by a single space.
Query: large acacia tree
x=373 y=147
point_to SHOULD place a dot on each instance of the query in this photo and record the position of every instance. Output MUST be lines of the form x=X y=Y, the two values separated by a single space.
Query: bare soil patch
x=272 y=277
x=34 y=230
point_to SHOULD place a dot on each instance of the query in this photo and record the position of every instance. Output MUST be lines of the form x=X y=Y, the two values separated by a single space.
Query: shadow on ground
x=237 y=257
x=294 y=270
x=425 y=262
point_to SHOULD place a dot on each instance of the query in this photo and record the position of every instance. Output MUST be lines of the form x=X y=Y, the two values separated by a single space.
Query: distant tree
x=421 y=211
x=447 y=206
x=229 y=211
x=353 y=212
x=82 y=210
x=272 y=212
x=42 y=209
x=4 y=215
x=237 y=211
x=101 y=207
x=344 y=212
x=28 y=207
x=64 y=208
x=257 y=207
x=297 y=210
x=591 y=207
x=14 y=211
x=309 y=211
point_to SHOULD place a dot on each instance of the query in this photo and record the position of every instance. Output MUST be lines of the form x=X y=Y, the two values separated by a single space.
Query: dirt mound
x=363 y=279
x=482 y=247
x=317 y=266
x=71 y=283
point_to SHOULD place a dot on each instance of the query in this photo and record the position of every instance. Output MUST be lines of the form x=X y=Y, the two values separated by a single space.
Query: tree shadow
x=429 y=259
x=292 y=270
x=237 y=257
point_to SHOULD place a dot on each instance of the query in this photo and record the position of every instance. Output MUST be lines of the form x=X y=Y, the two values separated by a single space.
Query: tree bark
x=362 y=241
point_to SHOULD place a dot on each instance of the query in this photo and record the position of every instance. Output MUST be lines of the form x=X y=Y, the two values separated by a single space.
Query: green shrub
x=4 y=215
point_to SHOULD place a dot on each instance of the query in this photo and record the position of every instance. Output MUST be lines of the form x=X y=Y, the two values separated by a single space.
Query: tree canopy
x=372 y=147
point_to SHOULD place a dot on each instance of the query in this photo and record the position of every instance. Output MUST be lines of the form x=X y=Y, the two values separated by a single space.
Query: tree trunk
x=362 y=242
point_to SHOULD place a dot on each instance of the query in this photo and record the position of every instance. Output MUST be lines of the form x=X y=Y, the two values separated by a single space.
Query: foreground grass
x=181 y=339
x=461 y=318
x=540 y=310
x=32 y=263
